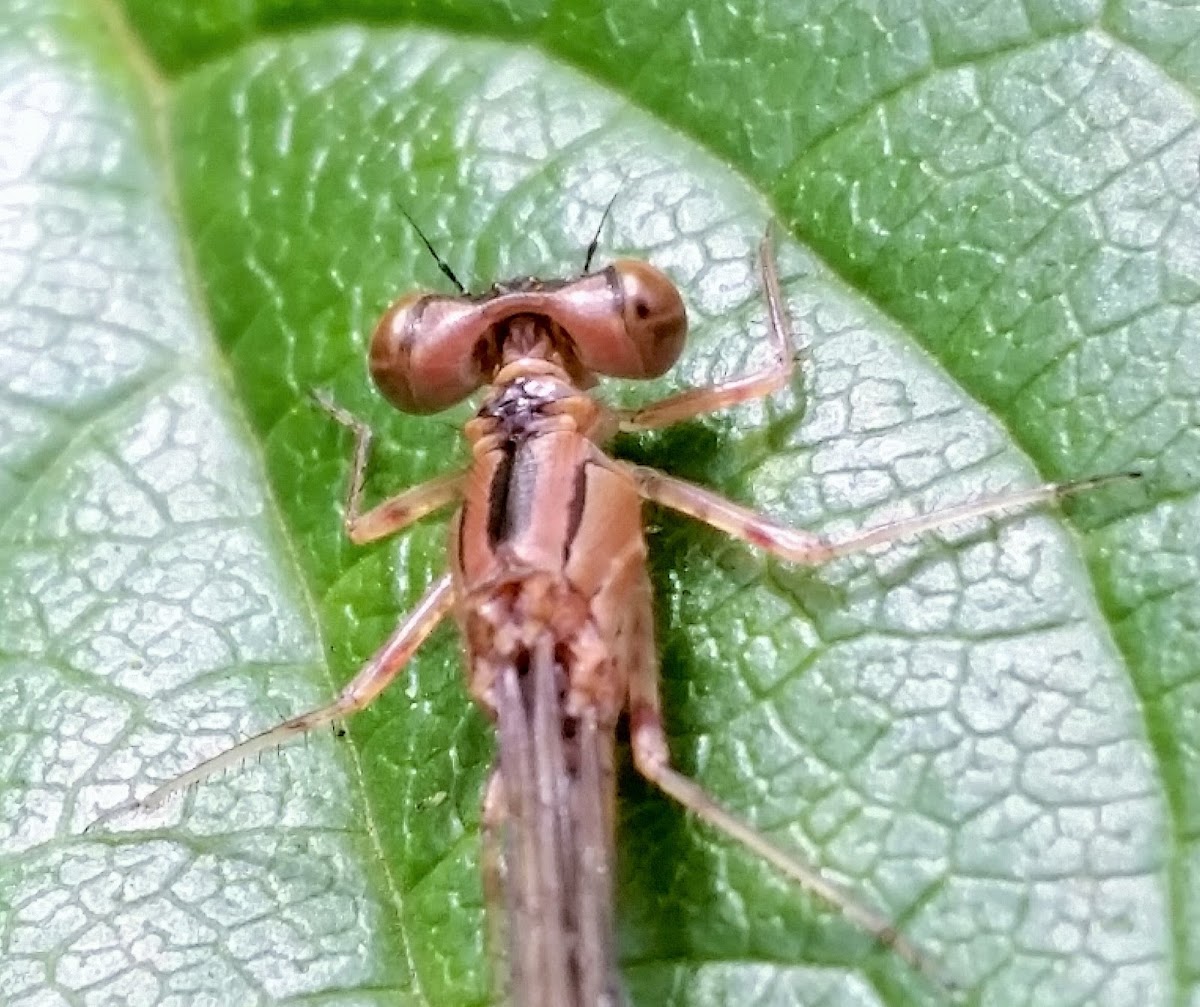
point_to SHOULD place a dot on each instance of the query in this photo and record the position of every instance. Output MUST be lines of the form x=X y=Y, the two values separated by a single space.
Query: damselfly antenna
x=595 y=242
x=442 y=264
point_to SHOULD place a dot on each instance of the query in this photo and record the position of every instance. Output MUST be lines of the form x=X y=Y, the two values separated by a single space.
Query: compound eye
x=653 y=313
x=426 y=352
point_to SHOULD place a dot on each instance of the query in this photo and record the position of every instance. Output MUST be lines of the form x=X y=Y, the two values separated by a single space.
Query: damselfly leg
x=371 y=680
x=397 y=512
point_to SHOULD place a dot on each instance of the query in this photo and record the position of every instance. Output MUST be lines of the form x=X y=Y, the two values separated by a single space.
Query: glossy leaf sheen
x=990 y=219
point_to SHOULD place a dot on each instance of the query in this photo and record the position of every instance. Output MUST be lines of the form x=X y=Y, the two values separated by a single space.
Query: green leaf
x=990 y=218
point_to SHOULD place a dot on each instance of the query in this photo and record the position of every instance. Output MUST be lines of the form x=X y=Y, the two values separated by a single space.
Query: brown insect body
x=548 y=563
x=549 y=586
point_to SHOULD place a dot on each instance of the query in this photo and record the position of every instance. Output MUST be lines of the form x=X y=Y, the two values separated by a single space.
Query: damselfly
x=549 y=586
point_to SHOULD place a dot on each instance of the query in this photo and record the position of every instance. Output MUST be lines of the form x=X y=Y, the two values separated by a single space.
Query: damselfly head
x=653 y=324
x=430 y=351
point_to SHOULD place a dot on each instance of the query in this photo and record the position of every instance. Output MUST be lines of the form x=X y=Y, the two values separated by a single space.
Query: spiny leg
x=651 y=757
x=374 y=676
x=697 y=401
x=798 y=546
x=396 y=512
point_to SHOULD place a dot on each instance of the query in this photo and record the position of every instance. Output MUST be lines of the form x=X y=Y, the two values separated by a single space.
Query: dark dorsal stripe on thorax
x=498 y=528
x=575 y=508
x=513 y=496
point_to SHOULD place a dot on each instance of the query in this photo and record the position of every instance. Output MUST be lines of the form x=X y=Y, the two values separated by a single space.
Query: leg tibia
x=375 y=675
x=650 y=756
